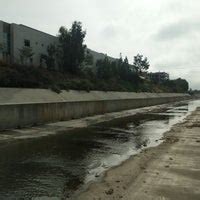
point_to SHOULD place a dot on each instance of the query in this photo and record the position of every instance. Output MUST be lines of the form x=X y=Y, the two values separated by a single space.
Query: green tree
x=122 y=66
x=104 y=70
x=177 y=85
x=140 y=63
x=181 y=85
x=71 y=48
x=89 y=59
x=1 y=47
x=50 y=57
x=26 y=54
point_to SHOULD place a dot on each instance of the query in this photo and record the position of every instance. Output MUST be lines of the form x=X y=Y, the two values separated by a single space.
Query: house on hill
x=158 y=77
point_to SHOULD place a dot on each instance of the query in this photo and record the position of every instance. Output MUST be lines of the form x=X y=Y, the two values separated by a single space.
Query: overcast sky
x=166 y=31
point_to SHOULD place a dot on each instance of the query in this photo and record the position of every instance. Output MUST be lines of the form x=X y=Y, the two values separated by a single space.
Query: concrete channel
x=61 y=165
x=31 y=107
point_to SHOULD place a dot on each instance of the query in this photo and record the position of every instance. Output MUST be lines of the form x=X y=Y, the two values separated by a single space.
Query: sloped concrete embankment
x=27 y=107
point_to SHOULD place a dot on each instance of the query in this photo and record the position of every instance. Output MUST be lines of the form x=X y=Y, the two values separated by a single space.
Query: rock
x=109 y=192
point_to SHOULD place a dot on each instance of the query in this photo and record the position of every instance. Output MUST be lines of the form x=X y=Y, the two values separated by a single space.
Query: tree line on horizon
x=71 y=54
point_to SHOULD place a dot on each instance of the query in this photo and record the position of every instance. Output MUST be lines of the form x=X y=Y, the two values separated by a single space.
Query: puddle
x=54 y=167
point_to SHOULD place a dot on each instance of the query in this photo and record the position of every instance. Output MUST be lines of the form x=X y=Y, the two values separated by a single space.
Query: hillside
x=20 y=76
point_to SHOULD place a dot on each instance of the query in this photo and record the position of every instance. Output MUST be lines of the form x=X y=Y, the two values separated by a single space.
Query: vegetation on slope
x=69 y=66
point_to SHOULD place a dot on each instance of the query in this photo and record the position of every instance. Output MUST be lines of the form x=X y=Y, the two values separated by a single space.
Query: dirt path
x=169 y=171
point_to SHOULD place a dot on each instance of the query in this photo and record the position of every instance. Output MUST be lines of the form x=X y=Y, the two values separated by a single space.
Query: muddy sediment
x=168 y=171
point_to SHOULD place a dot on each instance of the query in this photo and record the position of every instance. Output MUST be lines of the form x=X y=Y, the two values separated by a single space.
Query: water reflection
x=56 y=166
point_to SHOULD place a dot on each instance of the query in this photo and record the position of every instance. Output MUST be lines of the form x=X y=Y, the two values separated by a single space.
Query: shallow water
x=54 y=167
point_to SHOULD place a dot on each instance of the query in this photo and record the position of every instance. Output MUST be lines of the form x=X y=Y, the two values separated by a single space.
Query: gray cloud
x=109 y=31
x=177 y=30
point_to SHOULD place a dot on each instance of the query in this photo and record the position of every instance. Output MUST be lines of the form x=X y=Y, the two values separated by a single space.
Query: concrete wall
x=5 y=41
x=1 y=40
x=26 y=107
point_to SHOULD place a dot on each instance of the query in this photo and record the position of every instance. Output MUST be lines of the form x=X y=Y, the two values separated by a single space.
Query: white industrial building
x=14 y=37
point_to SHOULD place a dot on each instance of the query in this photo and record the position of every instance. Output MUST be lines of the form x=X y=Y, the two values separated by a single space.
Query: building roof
x=34 y=29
